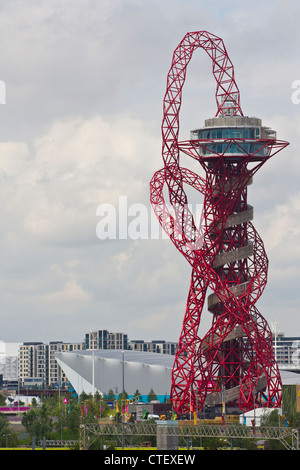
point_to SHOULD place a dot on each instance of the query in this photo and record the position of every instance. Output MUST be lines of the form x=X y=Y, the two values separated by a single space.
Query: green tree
x=34 y=402
x=272 y=419
x=137 y=394
x=2 y=399
x=104 y=409
x=37 y=422
x=41 y=428
x=294 y=420
x=151 y=395
x=28 y=419
x=84 y=396
x=110 y=395
x=7 y=437
x=73 y=421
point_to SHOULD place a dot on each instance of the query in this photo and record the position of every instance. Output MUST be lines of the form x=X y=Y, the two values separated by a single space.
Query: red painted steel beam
x=233 y=361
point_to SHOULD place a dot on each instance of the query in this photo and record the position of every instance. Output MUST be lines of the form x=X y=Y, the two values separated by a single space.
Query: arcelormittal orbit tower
x=233 y=361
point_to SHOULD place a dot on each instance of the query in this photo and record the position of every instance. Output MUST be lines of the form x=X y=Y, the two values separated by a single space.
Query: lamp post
x=123 y=390
x=93 y=365
x=123 y=373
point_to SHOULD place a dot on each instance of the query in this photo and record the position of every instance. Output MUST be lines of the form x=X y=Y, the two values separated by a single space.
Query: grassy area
x=36 y=448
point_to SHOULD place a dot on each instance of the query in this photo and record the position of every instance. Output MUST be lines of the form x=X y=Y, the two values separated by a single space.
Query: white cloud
x=283 y=223
x=81 y=127
x=70 y=294
x=75 y=166
x=13 y=158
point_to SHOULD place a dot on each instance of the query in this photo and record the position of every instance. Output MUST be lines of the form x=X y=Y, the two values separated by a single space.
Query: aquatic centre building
x=103 y=370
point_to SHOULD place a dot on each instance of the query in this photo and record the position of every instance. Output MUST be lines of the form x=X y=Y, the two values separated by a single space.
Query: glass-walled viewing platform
x=233 y=136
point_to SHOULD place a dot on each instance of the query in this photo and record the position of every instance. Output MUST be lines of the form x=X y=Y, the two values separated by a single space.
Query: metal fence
x=57 y=443
x=289 y=437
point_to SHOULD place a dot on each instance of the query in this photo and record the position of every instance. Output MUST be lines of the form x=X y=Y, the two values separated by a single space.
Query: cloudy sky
x=80 y=129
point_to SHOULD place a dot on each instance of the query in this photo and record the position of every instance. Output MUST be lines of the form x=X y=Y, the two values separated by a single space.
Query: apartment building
x=37 y=365
x=155 y=346
x=31 y=364
x=286 y=349
x=103 y=339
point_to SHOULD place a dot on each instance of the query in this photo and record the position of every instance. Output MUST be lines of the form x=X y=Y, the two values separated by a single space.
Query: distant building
x=37 y=364
x=9 y=362
x=287 y=351
x=103 y=339
x=155 y=346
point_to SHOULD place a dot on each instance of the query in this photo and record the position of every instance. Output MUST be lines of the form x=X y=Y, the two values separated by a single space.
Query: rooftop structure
x=9 y=361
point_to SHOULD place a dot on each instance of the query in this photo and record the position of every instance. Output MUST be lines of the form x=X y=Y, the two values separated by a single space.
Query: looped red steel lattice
x=234 y=360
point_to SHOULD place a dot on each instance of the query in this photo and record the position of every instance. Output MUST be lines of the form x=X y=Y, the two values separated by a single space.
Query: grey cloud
x=85 y=82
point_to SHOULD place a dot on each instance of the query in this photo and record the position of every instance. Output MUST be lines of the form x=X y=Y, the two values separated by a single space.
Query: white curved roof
x=149 y=358
x=289 y=377
x=103 y=370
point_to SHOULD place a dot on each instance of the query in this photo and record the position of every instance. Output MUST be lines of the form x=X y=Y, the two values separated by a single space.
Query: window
x=229 y=133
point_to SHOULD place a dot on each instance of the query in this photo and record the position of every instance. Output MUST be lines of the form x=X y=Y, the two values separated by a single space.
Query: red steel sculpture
x=233 y=362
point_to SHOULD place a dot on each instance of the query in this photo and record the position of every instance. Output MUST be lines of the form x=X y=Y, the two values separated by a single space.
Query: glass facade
x=230 y=133
x=228 y=147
